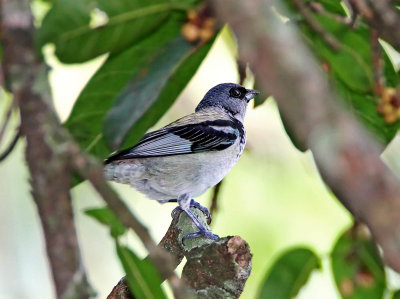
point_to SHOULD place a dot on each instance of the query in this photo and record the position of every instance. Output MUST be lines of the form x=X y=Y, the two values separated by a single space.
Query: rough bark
x=213 y=269
x=52 y=157
x=26 y=77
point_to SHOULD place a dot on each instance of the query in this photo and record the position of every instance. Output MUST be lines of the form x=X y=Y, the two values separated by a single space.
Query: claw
x=201 y=233
x=185 y=202
x=194 y=203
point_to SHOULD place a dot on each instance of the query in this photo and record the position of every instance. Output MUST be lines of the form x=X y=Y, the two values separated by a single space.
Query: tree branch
x=213 y=269
x=52 y=156
x=91 y=170
x=347 y=156
x=50 y=179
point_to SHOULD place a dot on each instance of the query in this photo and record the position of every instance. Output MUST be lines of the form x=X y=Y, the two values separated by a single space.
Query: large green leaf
x=350 y=65
x=143 y=91
x=107 y=217
x=149 y=95
x=86 y=120
x=357 y=267
x=84 y=29
x=143 y=279
x=364 y=107
x=333 y=6
x=289 y=273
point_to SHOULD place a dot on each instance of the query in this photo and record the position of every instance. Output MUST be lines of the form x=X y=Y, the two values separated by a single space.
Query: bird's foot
x=185 y=202
x=195 y=204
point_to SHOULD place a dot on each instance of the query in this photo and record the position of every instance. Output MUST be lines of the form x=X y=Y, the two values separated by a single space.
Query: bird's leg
x=193 y=203
x=185 y=202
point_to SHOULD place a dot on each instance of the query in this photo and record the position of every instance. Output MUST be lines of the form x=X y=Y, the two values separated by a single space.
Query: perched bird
x=187 y=157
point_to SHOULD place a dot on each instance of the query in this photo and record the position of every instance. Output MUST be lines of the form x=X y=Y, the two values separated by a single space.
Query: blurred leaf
x=85 y=122
x=390 y=74
x=143 y=279
x=364 y=107
x=357 y=267
x=333 y=6
x=396 y=294
x=350 y=67
x=169 y=93
x=292 y=135
x=84 y=29
x=107 y=217
x=289 y=273
x=143 y=91
x=355 y=51
x=259 y=100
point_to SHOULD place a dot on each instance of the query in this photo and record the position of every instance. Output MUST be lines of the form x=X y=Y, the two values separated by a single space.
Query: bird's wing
x=180 y=138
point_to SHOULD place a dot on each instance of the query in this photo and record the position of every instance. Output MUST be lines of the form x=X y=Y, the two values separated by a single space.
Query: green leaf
x=143 y=279
x=364 y=107
x=170 y=92
x=396 y=294
x=357 y=267
x=86 y=120
x=107 y=217
x=289 y=273
x=350 y=66
x=390 y=74
x=84 y=29
x=149 y=95
x=354 y=51
x=143 y=91
x=333 y=6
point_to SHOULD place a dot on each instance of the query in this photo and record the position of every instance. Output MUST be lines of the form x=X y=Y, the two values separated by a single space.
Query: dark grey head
x=231 y=97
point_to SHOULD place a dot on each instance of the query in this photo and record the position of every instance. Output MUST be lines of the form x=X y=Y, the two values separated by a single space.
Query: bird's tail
x=122 y=173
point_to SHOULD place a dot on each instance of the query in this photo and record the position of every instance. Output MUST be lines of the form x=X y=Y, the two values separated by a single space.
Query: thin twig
x=326 y=36
x=377 y=67
x=319 y=8
x=361 y=7
x=215 y=197
x=11 y=146
x=382 y=16
x=6 y=120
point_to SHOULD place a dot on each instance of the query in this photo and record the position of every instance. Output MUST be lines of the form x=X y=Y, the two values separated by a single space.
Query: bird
x=190 y=155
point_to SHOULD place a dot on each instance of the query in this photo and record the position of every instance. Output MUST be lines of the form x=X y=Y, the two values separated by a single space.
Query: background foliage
x=275 y=191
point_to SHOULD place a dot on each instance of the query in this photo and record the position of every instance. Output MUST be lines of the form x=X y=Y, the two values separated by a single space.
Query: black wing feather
x=186 y=139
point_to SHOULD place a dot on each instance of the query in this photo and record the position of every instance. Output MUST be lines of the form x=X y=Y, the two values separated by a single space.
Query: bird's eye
x=236 y=92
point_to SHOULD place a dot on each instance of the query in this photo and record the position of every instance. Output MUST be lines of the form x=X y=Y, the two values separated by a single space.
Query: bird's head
x=229 y=96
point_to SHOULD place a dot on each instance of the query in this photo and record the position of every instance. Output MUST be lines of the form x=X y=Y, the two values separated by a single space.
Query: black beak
x=250 y=94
